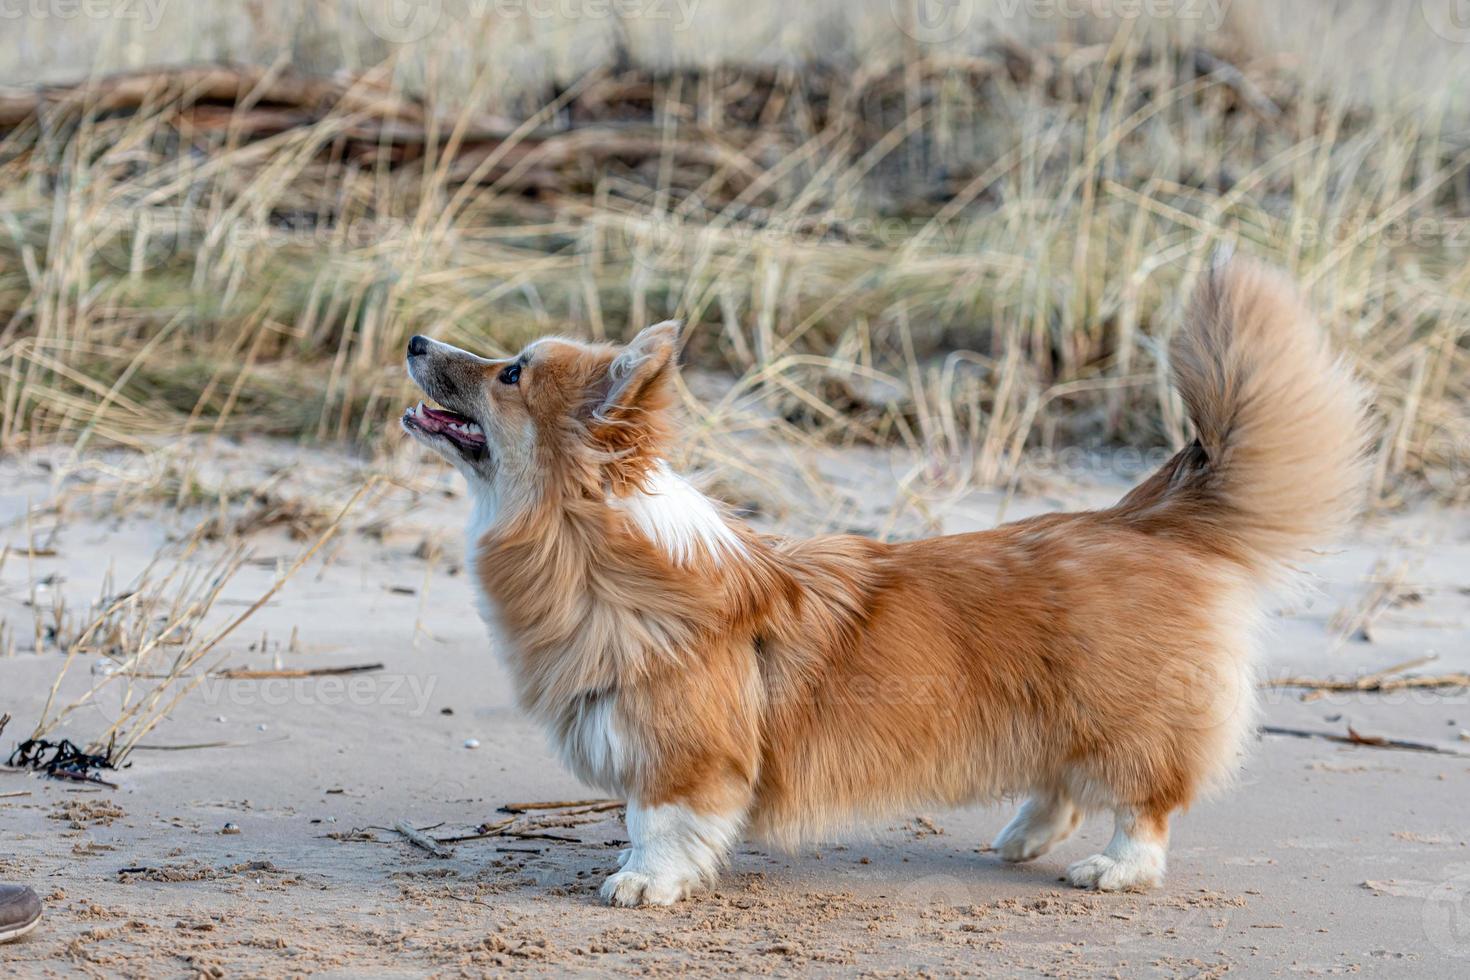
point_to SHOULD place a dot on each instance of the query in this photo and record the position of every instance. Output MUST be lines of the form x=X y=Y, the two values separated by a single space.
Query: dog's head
x=594 y=413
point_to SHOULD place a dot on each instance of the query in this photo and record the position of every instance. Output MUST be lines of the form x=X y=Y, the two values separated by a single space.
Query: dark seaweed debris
x=61 y=760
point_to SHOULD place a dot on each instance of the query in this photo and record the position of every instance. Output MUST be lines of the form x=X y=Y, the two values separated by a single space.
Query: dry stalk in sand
x=418 y=839
x=241 y=673
x=133 y=628
x=1354 y=737
x=532 y=821
x=1377 y=682
x=1388 y=588
x=574 y=806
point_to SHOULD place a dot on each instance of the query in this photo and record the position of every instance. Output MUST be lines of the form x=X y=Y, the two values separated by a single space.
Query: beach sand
x=1325 y=858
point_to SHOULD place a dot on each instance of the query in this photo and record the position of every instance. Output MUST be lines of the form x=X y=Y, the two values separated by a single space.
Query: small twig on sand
x=584 y=806
x=469 y=901
x=19 y=792
x=419 y=840
x=247 y=674
x=1355 y=738
x=496 y=829
x=536 y=824
x=355 y=835
x=1377 y=682
x=209 y=745
x=532 y=835
x=79 y=778
x=1388 y=590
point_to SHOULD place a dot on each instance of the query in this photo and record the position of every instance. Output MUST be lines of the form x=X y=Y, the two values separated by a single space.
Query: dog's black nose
x=418 y=344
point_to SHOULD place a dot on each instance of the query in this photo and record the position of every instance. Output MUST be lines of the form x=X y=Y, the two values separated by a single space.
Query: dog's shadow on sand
x=913 y=874
x=909 y=883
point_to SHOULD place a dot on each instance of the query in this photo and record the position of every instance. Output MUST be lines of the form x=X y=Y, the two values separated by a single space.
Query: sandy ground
x=1325 y=859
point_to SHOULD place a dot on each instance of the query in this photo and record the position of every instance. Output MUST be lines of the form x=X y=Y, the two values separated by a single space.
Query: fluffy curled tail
x=1279 y=462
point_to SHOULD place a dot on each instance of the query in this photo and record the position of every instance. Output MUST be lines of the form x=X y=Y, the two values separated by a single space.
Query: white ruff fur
x=592 y=746
x=675 y=850
x=679 y=519
x=482 y=518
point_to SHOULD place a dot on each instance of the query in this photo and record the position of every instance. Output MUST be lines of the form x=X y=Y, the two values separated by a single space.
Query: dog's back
x=1097 y=661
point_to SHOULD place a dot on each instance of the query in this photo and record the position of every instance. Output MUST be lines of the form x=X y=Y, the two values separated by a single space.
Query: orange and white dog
x=727 y=682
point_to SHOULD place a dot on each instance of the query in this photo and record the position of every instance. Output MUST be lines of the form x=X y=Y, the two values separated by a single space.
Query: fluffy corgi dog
x=728 y=682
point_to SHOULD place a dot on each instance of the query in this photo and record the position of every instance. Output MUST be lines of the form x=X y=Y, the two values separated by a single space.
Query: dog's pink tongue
x=426 y=420
x=441 y=417
x=452 y=424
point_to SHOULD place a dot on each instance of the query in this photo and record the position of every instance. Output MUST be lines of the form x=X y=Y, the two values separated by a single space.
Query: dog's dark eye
x=511 y=375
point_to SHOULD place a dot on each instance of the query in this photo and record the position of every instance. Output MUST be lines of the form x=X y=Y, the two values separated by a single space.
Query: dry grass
x=972 y=254
x=973 y=251
x=152 y=641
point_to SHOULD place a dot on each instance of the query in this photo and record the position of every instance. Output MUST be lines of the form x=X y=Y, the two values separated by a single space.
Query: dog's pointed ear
x=638 y=378
x=629 y=419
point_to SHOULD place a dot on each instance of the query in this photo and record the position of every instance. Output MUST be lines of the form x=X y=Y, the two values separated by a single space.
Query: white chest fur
x=584 y=732
x=482 y=519
x=584 y=725
x=593 y=744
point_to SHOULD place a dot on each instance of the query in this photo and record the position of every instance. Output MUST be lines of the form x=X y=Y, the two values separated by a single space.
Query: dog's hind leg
x=1044 y=821
x=1134 y=858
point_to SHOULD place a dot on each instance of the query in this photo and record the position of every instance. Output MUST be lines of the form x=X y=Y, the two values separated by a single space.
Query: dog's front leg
x=676 y=847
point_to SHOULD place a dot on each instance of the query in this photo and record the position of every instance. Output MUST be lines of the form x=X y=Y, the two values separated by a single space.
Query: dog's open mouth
x=461 y=430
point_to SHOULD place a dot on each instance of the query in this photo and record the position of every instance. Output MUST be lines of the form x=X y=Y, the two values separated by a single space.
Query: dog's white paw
x=632 y=888
x=1017 y=844
x=675 y=851
x=1138 y=871
x=1040 y=825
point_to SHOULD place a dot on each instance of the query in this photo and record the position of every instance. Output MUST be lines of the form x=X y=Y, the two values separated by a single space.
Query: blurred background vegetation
x=963 y=226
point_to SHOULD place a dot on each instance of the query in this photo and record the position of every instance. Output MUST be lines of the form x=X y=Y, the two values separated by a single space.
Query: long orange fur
x=1095 y=661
